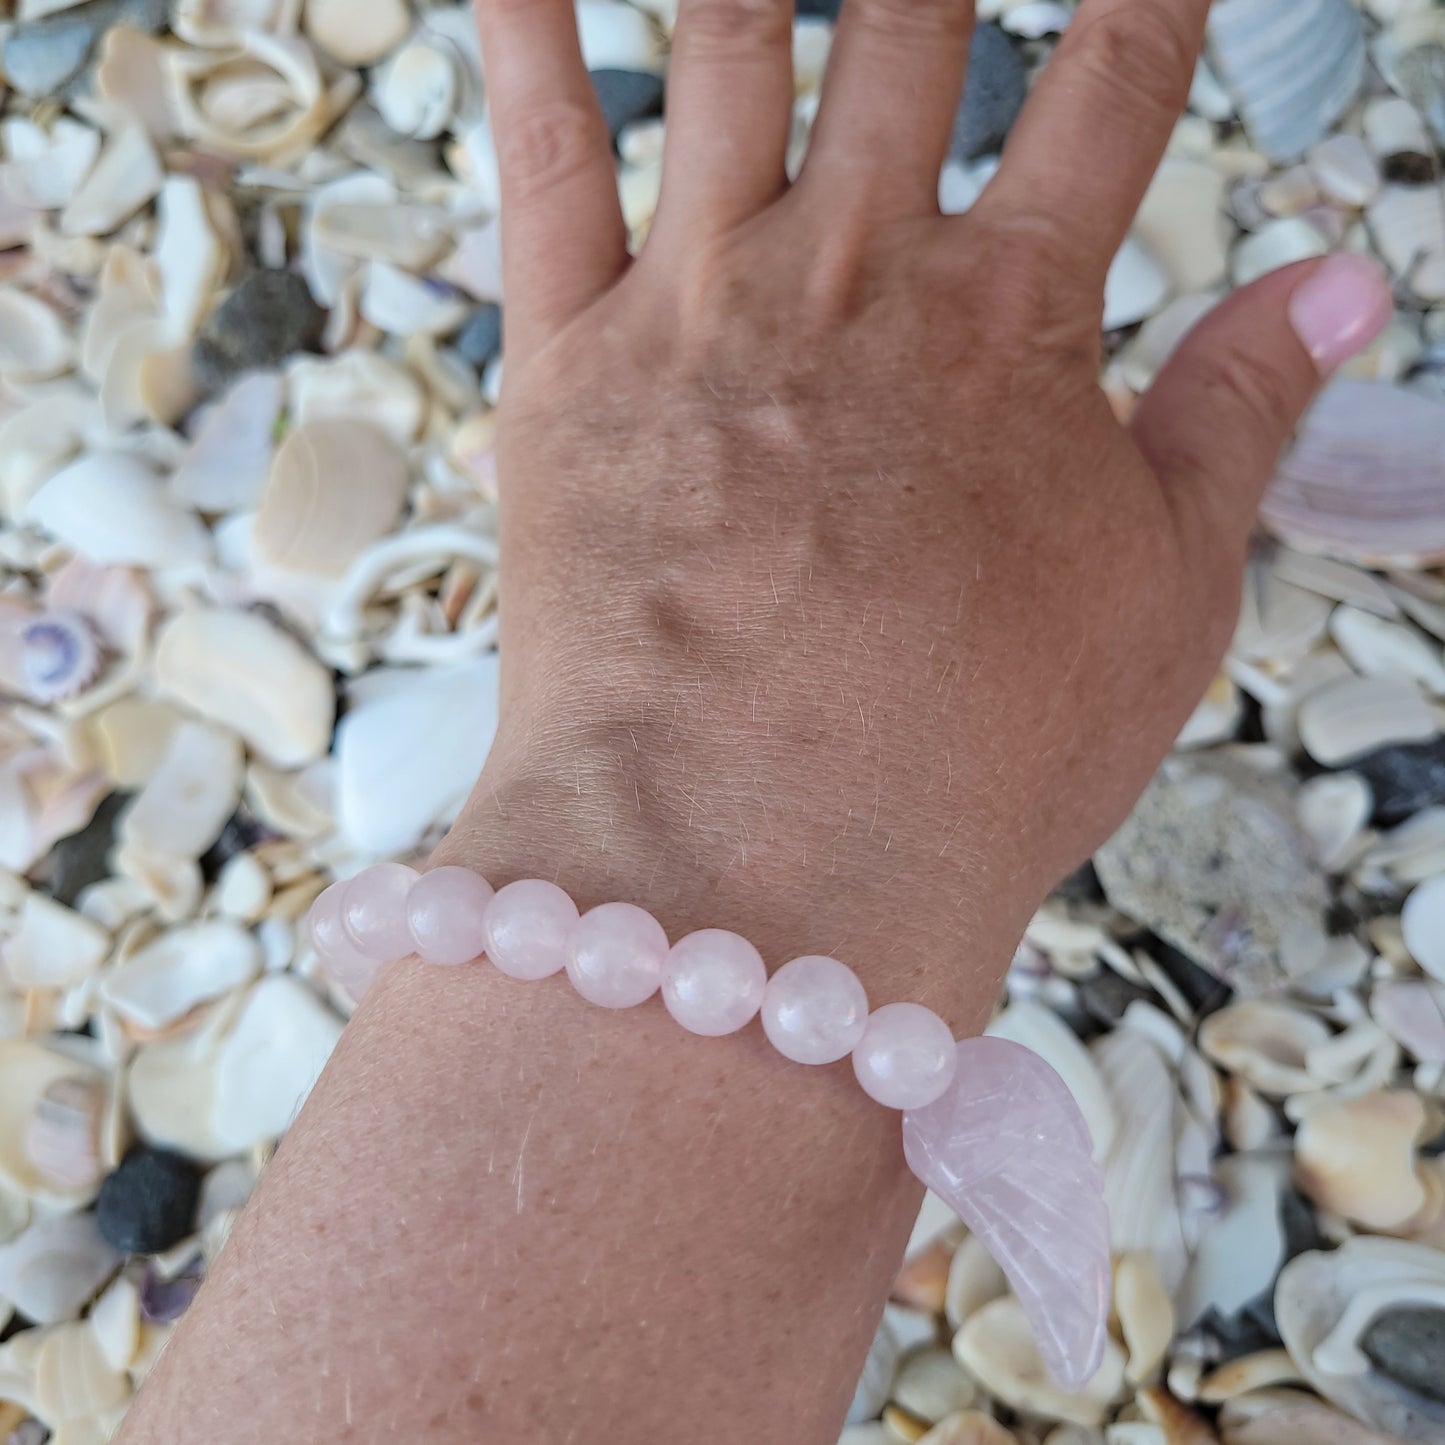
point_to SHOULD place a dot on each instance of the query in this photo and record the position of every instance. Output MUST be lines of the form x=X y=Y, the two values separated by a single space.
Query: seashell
x=408 y=235
x=1266 y=1044
x=417 y=90
x=1299 y=1420
x=1280 y=243
x=226 y=466
x=1136 y=287
x=358 y=386
x=974 y=1278
x=1410 y=54
x=1239 y=1252
x=400 y=304
x=52 y=946
x=930 y=1385
x=1339 y=581
x=184 y=967
x=63 y=1138
x=130 y=74
x=295 y=804
x=1144 y=357
x=1408 y=228
x=1413 y=851
x=49 y=1101
x=326 y=270
x=111 y=508
x=243 y=888
x=1293 y=71
x=173 y=886
x=1377 y=647
x=1422 y=920
x=1248 y=1372
x=1146 y=1314
x=335 y=487
x=238 y=1081
x=185 y=802
x=127 y=176
x=33 y=343
x=1347 y=719
x=53 y=1268
x=616 y=37
x=1413 y=1013
x=1393 y=127
x=1333 y=812
x=970 y=1427
x=356 y=37
x=995 y=1345
x=189 y=257
x=44 y=168
x=1278 y=622
x=73 y=1378
x=1356 y=1158
x=47 y=656
x=409 y=749
x=876 y=1381
x=1345 y=170
x=921 y=1283
x=1325 y=1305
x=115 y=1320
x=220 y=23
x=238 y=670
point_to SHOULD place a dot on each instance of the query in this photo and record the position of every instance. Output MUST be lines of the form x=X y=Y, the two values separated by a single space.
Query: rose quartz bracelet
x=987 y=1125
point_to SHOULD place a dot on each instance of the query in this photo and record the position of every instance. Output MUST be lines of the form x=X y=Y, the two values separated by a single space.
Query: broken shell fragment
x=1356 y=1158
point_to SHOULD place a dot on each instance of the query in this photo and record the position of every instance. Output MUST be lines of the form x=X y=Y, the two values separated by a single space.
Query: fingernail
x=1341 y=309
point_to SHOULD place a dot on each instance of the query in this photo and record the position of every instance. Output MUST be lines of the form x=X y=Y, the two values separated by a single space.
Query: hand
x=837 y=607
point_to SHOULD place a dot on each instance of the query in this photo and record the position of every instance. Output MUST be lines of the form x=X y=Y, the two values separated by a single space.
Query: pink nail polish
x=1341 y=309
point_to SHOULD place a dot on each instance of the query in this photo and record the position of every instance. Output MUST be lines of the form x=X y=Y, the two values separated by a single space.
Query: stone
x=480 y=340
x=268 y=317
x=1404 y=779
x=713 y=982
x=82 y=859
x=149 y=1202
x=906 y=1057
x=626 y=96
x=821 y=9
x=615 y=955
x=343 y=962
x=1408 y=1345
x=993 y=96
x=446 y=915
x=42 y=58
x=373 y=911
x=527 y=925
x=814 y=1010
x=1007 y=1149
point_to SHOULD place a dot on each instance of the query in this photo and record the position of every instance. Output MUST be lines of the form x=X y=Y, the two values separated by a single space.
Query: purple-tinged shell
x=163 y=1301
x=48 y=656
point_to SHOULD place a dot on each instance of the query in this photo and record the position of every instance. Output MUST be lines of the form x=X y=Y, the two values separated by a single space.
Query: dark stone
x=81 y=859
x=163 y=1301
x=828 y=9
x=241 y=833
x=268 y=317
x=45 y=56
x=481 y=338
x=626 y=96
x=1245 y=1332
x=1299 y=1225
x=1082 y=885
x=1204 y=993
x=995 y=93
x=1404 y=779
x=1106 y=995
x=1408 y=1345
x=1409 y=168
x=149 y=1202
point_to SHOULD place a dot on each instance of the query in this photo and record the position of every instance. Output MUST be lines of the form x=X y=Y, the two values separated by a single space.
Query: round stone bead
x=525 y=928
x=339 y=957
x=713 y=982
x=373 y=911
x=907 y=1057
x=616 y=954
x=444 y=913
x=814 y=1010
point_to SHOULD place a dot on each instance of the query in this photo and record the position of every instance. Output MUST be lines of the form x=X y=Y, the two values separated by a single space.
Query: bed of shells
x=249 y=341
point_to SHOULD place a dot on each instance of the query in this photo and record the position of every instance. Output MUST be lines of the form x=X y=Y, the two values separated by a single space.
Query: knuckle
x=1140 y=52
x=720 y=29
x=913 y=21
x=543 y=146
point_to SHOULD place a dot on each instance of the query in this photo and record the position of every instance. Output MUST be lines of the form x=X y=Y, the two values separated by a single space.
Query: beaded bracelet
x=987 y=1125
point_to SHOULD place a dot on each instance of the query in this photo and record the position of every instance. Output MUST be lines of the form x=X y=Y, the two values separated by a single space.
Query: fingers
x=1084 y=150
x=894 y=78
x=563 y=240
x=1219 y=414
x=729 y=110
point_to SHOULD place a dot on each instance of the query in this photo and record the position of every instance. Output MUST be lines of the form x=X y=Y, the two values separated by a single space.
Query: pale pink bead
x=373 y=911
x=445 y=913
x=906 y=1057
x=616 y=954
x=525 y=928
x=814 y=1010
x=713 y=982
x=339 y=957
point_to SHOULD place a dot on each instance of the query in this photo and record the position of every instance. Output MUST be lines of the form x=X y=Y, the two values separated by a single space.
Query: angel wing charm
x=1008 y=1150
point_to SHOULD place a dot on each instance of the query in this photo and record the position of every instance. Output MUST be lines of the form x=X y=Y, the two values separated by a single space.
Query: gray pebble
x=45 y=56
x=1404 y=779
x=268 y=317
x=626 y=96
x=82 y=858
x=481 y=338
x=1408 y=1345
x=996 y=90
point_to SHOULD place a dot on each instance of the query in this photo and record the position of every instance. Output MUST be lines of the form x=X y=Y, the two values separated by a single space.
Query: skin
x=839 y=610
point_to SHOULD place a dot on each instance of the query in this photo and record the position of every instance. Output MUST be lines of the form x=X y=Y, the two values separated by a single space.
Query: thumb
x=1220 y=412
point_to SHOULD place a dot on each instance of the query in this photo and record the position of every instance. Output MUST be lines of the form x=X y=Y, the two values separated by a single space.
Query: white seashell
x=869 y=1433
x=73 y=1379
x=995 y=1345
x=1422 y=921
x=226 y=465
x=417 y=90
x=240 y=671
x=1239 y=1252
x=1336 y=580
x=616 y=37
x=129 y=295
x=1279 y=623
x=1324 y=1303
x=295 y=804
x=126 y=177
x=1380 y=648
x=876 y=1382
x=1264 y=1419
x=1408 y=53
x=186 y=801
x=1294 y=70
x=149 y=378
x=189 y=257
x=243 y=888
x=1413 y=1013
x=409 y=749
x=1393 y=127
x=408 y=235
x=112 y=508
x=52 y=946
x=358 y=386
x=335 y=487
x=1350 y=718
x=327 y=271
x=221 y=22
x=475 y=266
x=115 y=1320
x=974 y=1278
x=401 y=304
x=37 y=1085
x=1356 y=1158
x=356 y=35
x=51 y=1270
x=33 y=343
x=63 y=1139
x=1413 y=851
x=1217 y=717
x=184 y=967
x=1346 y=170
x=1248 y=1372
x=1408 y=226
x=930 y=1384
x=43 y=169
x=1280 y=243
x=1135 y=288
x=1266 y=1044
x=130 y=74
x=1333 y=812
x=1183 y=225
x=1146 y=1314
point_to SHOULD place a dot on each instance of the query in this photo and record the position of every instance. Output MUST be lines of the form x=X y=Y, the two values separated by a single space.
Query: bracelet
x=987 y=1125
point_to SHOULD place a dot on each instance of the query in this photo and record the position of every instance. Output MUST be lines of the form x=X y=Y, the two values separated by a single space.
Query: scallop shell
x=1324 y=1303
x=1365 y=481
x=37 y=1087
x=1293 y=69
x=184 y=967
x=52 y=1269
x=335 y=487
x=73 y=1378
x=1347 y=719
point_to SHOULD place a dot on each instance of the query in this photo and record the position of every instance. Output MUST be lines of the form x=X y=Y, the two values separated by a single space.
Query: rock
x=626 y=96
x=81 y=859
x=149 y=1202
x=267 y=318
x=481 y=338
x=1404 y=779
x=827 y=9
x=1408 y=1345
x=996 y=90
x=42 y=58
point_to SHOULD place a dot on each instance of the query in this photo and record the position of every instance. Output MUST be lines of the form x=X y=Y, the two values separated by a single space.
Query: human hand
x=837 y=606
